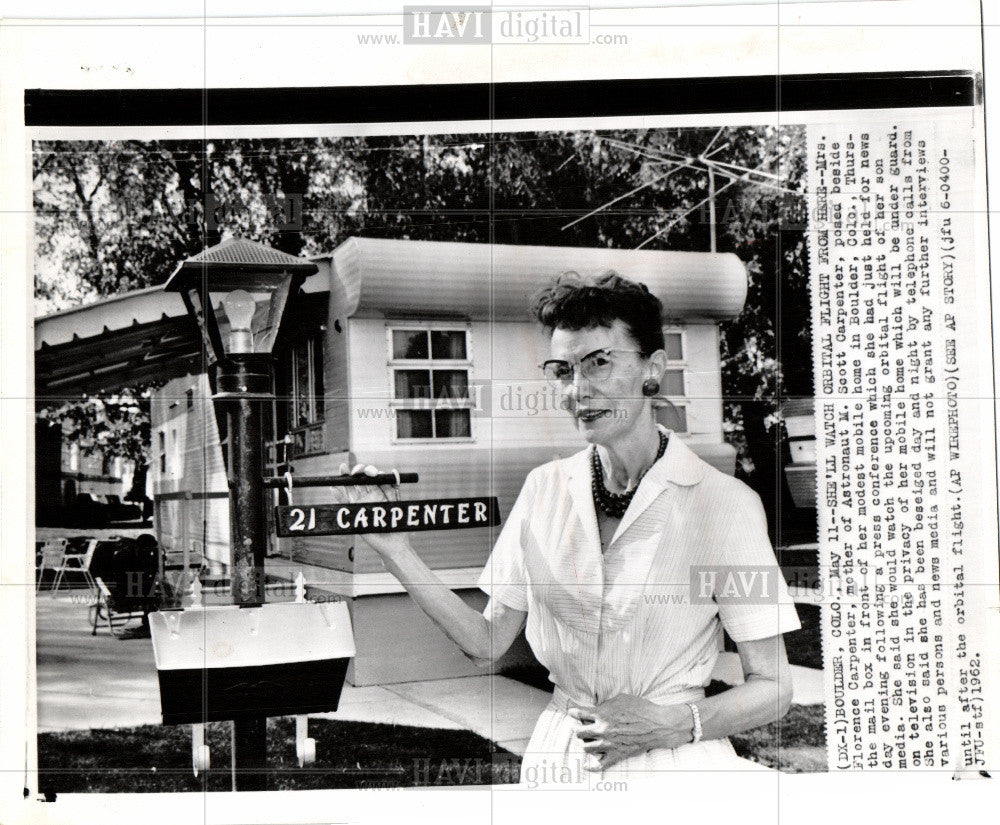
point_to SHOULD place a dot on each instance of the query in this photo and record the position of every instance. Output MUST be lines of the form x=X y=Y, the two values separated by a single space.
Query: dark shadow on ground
x=157 y=758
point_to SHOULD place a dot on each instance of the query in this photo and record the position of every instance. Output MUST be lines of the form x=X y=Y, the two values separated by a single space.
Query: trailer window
x=673 y=385
x=429 y=367
x=299 y=385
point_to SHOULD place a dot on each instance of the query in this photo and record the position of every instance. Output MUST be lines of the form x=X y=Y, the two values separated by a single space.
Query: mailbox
x=230 y=662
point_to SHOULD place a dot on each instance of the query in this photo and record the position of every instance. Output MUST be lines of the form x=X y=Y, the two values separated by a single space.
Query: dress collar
x=679 y=465
x=569 y=567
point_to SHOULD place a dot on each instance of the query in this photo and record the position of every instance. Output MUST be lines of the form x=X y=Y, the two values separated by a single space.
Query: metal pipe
x=249 y=742
x=241 y=376
x=711 y=210
x=341 y=481
x=244 y=382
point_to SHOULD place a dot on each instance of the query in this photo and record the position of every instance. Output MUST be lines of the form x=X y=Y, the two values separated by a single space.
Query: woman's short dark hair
x=572 y=302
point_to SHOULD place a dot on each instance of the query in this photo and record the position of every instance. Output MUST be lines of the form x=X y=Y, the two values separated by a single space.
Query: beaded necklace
x=615 y=504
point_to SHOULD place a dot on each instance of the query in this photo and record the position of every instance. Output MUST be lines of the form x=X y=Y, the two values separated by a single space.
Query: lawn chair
x=77 y=562
x=127 y=584
x=112 y=610
x=52 y=553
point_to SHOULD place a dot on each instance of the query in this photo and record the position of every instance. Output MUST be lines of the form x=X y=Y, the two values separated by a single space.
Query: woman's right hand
x=465 y=626
x=387 y=545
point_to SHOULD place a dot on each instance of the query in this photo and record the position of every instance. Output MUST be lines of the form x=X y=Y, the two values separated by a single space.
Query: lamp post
x=238 y=292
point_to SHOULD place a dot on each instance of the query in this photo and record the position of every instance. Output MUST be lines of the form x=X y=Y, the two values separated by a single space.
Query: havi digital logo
x=437 y=25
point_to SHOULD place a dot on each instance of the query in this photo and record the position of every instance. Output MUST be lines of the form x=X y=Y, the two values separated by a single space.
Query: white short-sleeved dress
x=636 y=619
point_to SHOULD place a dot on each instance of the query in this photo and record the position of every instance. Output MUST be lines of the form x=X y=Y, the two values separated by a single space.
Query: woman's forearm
x=465 y=626
x=625 y=725
x=764 y=696
x=758 y=701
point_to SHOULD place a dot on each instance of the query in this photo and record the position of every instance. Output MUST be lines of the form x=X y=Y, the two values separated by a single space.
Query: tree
x=114 y=216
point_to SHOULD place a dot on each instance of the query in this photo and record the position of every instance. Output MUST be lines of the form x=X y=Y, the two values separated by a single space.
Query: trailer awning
x=120 y=341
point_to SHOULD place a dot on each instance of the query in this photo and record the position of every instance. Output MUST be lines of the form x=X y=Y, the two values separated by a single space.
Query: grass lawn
x=794 y=744
x=157 y=758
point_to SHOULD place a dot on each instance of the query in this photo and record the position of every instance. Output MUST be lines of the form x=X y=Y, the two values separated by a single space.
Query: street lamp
x=238 y=293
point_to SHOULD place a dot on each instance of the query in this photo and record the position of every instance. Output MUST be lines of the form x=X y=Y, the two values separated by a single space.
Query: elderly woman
x=615 y=557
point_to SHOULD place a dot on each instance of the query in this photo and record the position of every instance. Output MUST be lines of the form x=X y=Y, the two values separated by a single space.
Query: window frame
x=314 y=343
x=176 y=460
x=429 y=364
x=681 y=402
x=169 y=451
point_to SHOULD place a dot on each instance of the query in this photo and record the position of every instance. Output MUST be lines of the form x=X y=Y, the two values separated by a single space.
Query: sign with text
x=386 y=516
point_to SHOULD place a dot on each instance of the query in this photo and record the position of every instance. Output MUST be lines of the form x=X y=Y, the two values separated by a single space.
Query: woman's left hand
x=626 y=725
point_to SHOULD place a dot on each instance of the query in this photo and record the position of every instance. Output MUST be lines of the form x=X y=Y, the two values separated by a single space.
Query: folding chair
x=104 y=608
x=77 y=563
x=52 y=552
x=114 y=610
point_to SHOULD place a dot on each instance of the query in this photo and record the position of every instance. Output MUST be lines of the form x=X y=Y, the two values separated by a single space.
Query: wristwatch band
x=696 y=728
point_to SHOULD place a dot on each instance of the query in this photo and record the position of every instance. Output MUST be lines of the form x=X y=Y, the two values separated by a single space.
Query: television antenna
x=705 y=163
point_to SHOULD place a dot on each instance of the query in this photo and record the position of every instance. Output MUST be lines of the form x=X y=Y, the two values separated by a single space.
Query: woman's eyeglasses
x=596 y=366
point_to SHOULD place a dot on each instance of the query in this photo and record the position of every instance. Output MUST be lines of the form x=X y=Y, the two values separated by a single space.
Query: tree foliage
x=115 y=425
x=113 y=216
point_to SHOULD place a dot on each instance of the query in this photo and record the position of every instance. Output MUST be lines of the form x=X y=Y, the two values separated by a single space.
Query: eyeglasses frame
x=575 y=365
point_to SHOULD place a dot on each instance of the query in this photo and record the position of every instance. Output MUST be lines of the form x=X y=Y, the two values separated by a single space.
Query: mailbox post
x=237 y=292
x=246 y=380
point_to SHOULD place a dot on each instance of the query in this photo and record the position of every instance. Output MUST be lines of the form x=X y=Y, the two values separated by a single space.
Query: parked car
x=91 y=510
x=119 y=510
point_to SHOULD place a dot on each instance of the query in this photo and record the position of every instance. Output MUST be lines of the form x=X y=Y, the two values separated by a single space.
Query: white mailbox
x=228 y=662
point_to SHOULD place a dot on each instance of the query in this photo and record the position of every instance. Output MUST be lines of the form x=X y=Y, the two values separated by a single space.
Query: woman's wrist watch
x=696 y=726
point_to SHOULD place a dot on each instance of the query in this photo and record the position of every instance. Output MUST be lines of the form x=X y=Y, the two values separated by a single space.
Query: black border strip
x=472 y=101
